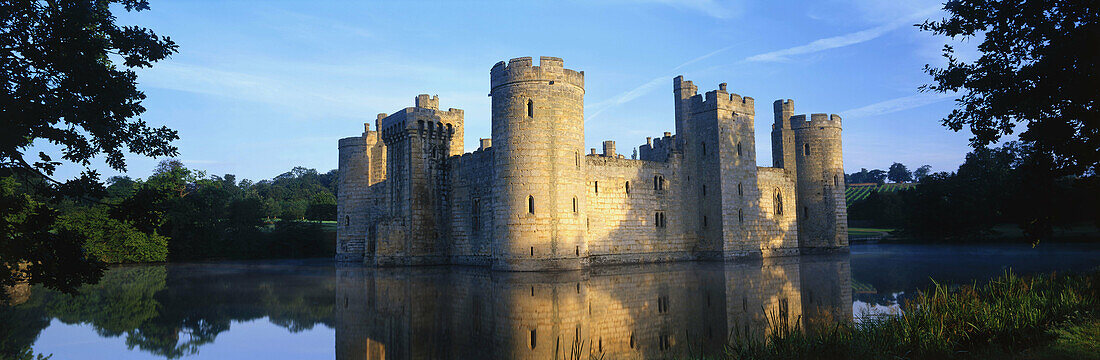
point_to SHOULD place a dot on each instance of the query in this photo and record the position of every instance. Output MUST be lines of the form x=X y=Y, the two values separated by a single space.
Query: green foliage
x=62 y=86
x=1013 y=184
x=30 y=249
x=898 y=173
x=1036 y=67
x=854 y=193
x=863 y=176
x=112 y=241
x=1006 y=317
x=321 y=207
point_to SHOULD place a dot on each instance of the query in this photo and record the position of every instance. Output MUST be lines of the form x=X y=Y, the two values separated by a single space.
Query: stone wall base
x=577 y=263
x=349 y=257
x=640 y=258
x=574 y=263
x=824 y=250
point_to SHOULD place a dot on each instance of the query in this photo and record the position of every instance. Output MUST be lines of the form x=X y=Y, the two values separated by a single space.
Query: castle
x=530 y=198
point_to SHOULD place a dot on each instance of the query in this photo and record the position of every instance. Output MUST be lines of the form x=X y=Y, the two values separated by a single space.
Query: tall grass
x=1011 y=316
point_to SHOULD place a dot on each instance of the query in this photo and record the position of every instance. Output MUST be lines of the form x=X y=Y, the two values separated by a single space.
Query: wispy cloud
x=840 y=40
x=778 y=55
x=713 y=8
x=895 y=105
x=305 y=88
x=643 y=89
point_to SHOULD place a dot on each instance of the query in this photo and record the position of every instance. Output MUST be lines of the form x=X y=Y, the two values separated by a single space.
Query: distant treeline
x=1012 y=184
x=179 y=214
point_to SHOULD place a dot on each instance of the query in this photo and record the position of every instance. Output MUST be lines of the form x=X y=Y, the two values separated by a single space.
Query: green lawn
x=868 y=233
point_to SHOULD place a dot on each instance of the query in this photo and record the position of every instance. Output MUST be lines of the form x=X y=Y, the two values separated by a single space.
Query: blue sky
x=262 y=86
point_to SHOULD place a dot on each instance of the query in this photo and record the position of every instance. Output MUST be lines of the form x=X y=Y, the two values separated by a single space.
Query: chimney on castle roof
x=609 y=148
x=649 y=141
x=667 y=134
x=485 y=144
x=722 y=87
x=593 y=151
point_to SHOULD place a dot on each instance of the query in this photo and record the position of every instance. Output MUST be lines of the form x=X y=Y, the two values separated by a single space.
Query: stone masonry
x=530 y=198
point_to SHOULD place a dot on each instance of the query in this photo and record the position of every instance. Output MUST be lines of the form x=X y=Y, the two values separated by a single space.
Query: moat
x=315 y=309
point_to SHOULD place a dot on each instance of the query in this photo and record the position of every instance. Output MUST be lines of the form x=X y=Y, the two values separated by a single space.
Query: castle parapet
x=550 y=69
x=816 y=120
x=722 y=100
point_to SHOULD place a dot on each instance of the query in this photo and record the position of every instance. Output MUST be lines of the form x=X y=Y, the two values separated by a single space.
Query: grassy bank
x=1038 y=317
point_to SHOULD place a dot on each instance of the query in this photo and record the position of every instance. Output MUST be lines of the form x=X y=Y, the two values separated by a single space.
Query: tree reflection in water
x=643 y=311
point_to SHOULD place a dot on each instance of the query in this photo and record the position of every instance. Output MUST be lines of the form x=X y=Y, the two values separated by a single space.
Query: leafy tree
x=1038 y=66
x=864 y=176
x=112 y=241
x=876 y=176
x=921 y=172
x=321 y=207
x=62 y=86
x=899 y=173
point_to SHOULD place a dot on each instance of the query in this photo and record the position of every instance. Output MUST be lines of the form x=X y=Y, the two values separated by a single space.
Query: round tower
x=822 y=213
x=351 y=204
x=539 y=177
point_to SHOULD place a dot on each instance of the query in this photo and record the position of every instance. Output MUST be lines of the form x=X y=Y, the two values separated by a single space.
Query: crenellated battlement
x=550 y=69
x=722 y=100
x=783 y=110
x=352 y=142
x=679 y=84
x=818 y=120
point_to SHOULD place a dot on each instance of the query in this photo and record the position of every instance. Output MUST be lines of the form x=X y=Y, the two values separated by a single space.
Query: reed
x=1011 y=316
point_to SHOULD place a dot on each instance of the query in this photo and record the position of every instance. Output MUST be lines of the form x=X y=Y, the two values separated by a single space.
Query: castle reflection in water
x=644 y=311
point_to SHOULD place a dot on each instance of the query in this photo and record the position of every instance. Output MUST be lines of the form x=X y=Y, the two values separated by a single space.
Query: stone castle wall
x=471 y=207
x=634 y=212
x=530 y=198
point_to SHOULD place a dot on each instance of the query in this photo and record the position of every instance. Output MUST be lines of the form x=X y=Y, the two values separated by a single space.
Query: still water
x=313 y=309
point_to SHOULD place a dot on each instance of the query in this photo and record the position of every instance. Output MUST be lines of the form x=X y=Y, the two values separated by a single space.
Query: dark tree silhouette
x=898 y=173
x=1038 y=66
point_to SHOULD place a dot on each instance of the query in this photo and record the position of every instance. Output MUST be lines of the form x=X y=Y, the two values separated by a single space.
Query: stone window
x=806 y=149
x=704 y=221
x=533 y=339
x=574 y=204
x=476 y=212
x=659 y=219
x=577 y=157
x=836 y=182
x=658 y=182
x=704 y=145
x=740 y=216
x=627 y=187
x=631 y=340
x=347 y=220
x=739 y=190
x=738 y=149
x=784 y=311
x=664 y=343
x=778 y=202
x=596 y=186
x=662 y=304
x=704 y=190
x=530 y=204
x=530 y=108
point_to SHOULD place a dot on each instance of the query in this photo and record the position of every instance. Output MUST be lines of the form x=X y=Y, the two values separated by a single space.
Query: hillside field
x=855 y=192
